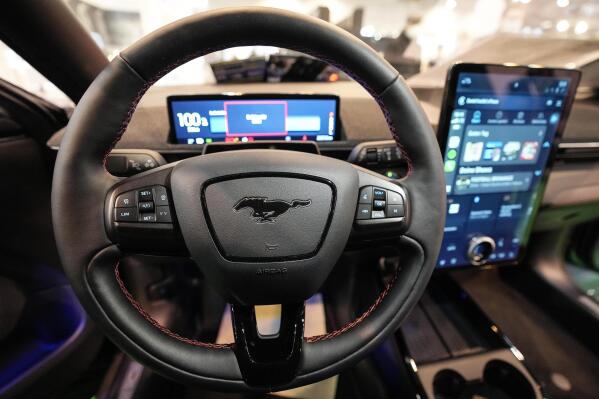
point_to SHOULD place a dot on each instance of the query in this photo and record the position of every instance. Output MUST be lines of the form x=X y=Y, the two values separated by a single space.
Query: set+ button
x=146 y=194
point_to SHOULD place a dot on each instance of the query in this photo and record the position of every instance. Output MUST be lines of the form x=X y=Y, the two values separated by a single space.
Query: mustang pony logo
x=267 y=211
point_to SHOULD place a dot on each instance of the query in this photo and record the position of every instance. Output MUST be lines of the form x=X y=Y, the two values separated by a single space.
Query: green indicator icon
x=450 y=166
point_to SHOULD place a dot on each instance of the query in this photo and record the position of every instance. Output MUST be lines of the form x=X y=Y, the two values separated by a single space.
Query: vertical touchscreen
x=500 y=132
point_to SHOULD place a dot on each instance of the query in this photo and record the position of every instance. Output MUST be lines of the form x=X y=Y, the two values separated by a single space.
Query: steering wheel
x=263 y=226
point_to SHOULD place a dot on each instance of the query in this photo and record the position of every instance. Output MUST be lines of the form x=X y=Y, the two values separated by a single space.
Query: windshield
x=412 y=35
x=415 y=36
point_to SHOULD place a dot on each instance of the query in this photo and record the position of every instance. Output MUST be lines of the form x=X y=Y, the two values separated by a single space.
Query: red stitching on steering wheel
x=152 y=321
x=361 y=318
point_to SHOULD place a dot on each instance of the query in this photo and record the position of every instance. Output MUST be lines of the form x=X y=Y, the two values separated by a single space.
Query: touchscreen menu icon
x=529 y=151
x=511 y=149
x=473 y=151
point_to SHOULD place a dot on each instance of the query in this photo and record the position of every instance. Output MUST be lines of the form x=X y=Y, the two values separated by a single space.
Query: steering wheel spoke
x=140 y=216
x=268 y=360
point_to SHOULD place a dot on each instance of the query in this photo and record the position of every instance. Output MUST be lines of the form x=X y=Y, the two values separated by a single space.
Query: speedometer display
x=207 y=119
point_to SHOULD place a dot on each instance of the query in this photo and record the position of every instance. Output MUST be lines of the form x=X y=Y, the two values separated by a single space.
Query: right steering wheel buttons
x=395 y=211
x=379 y=194
x=378 y=205
x=378 y=214
x=363 y=211
x=394 y=198
x=366 y=195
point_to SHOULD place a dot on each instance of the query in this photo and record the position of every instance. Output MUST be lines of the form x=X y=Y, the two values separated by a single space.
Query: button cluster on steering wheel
x=147 y=205
x=379 y=203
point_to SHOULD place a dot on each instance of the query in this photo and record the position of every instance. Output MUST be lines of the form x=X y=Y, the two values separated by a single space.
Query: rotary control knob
x=479 y=249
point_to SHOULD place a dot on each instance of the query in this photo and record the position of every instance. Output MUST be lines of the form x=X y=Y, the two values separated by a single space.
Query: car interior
x=230 y=199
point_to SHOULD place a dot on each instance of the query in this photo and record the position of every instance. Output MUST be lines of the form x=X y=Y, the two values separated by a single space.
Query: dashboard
x=360 y=136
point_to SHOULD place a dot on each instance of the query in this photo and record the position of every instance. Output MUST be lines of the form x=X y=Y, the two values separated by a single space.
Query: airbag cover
x=269 y=217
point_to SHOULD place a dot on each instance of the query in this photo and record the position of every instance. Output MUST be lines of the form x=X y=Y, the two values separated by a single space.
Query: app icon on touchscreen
x=450 y=166
x=473 y=151
x=529 y=150
x=511 y=150
x=454 y=142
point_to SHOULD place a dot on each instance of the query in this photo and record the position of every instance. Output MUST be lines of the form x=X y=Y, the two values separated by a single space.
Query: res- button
x=147 y=218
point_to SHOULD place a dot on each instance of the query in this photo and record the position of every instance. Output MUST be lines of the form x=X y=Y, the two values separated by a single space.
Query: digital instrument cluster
x=246 y=118
x=499 y=127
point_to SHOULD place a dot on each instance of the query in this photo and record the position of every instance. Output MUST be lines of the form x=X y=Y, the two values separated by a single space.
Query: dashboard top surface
x=361 y=118
x=361 y=121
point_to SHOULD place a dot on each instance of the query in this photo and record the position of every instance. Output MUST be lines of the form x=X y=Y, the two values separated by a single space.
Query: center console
x=454 y=351
x=498 y=131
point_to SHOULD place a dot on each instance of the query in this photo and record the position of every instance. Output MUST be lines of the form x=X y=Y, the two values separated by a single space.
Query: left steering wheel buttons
x=163 y=214
x=125 y=215
x=160 y=196
x=147 y=217
x=146 y=194
x=146 y=206
x=363 y=212
x=125 y=200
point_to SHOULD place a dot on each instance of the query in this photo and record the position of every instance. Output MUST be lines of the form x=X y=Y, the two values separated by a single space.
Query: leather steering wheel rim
x=81 y=183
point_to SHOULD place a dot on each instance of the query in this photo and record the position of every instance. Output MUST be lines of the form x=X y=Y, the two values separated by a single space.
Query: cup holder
x=448 y=384
x=500 y=380
x=511 y=380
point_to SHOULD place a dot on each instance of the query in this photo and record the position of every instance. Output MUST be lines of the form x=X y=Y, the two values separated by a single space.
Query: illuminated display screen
x=207 y=119
x=500 y=127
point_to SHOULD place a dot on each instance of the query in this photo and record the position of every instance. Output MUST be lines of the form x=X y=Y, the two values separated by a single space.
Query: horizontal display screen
x=500 y=127
x=208 y=119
